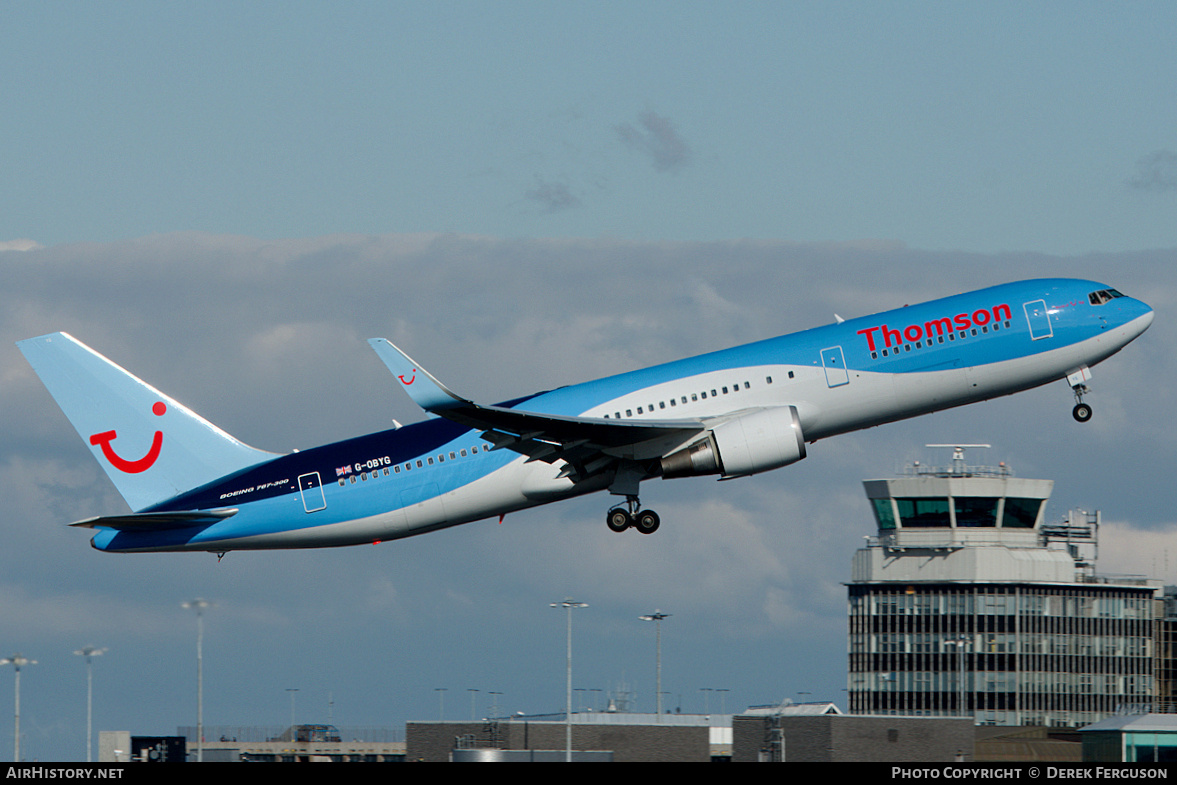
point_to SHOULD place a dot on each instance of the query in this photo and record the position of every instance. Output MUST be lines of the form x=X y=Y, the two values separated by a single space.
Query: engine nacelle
x=763 y=440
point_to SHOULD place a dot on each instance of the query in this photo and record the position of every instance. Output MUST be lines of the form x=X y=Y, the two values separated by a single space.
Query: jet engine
x=755 y=442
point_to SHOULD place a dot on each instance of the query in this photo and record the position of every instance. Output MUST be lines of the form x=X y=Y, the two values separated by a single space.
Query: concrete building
x=840 y=738
x=295 y=744
x=968 y=602
x=601 y=736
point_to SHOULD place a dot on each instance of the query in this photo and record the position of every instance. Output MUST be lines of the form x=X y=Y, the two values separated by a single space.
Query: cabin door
x=1039 y=320
x=311 y=489
x=835 y=365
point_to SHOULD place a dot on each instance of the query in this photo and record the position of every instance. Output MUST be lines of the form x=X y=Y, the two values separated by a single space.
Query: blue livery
x=731 y=413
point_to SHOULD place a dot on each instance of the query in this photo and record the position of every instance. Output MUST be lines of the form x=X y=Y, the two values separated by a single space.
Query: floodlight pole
x=568 y=604
x=89 y=652
x=657 y=617
x=199 y=605
x=17 y=662
x=960 y=642
x=292 y=690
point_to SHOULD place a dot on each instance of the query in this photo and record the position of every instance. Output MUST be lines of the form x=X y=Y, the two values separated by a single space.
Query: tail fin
x=151 y=446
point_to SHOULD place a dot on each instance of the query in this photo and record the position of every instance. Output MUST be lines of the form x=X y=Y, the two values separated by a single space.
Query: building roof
x=626 y=718
x=1136 y=723
x=794 y=709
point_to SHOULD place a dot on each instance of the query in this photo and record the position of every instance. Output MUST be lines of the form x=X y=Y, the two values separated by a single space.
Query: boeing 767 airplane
x=731 y=413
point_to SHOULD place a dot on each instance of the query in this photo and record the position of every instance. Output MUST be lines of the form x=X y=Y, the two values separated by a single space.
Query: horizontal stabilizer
x=156 y=520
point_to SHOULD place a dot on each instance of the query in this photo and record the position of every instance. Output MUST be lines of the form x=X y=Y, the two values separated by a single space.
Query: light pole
x=17 y=662
x=960 y=642
x=440 y=702
x=723 y=699
x=568 y=604
x=473 y=694
x=657 y=617
x=292 y=690
x=89 y=652
x=199 y=605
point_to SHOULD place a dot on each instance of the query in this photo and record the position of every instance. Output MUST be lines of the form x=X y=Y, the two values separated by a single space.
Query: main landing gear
x=621 y=518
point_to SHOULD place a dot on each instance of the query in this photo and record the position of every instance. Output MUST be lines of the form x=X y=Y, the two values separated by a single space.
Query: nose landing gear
x=1078 y=381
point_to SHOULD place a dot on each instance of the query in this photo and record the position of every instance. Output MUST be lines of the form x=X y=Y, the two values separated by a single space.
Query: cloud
x=23 y=244
x=1156 y=171
x=554 y=197
x=1125 y=549
x=658 y=140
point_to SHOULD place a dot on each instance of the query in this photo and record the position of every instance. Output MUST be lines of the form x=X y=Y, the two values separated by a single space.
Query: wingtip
x=425 y=390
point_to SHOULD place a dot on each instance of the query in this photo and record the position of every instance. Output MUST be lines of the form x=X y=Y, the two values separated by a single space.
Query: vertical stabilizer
x=151 y=446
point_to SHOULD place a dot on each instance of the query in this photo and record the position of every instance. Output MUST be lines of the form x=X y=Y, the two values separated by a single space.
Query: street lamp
x=89 y=652
x=440 y=702
x=292 y=690
x=960 y=642
x=17 y=662
x=568 y=604
x=657 y=617
x=199 y=605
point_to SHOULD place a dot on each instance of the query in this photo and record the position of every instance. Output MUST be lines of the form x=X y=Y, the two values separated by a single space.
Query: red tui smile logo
x=122 y=464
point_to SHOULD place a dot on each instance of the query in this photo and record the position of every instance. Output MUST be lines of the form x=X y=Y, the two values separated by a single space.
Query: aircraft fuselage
x=814 y=384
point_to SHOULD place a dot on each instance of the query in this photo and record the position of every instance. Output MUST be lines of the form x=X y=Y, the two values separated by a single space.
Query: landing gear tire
x=618 y=520
x=647 y=522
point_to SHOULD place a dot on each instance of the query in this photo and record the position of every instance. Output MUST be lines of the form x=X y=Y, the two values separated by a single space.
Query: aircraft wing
x=581 y=441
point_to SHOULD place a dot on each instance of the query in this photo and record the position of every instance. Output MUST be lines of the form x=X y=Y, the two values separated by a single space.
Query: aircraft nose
x=1140 y=316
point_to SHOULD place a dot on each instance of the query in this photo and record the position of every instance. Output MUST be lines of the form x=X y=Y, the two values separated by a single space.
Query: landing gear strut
x=620 y=518
x=1082 y=411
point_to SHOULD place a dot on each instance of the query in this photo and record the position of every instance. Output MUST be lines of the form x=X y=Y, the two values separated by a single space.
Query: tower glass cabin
x=967 y=602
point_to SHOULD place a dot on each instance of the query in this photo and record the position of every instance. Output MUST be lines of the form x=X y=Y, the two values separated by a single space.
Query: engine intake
x=756 y=442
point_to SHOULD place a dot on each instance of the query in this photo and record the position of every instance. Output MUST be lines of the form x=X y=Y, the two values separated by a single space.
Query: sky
x=229 y=198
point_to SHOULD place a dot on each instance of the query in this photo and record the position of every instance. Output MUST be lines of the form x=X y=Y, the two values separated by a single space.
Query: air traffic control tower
x=968 y=602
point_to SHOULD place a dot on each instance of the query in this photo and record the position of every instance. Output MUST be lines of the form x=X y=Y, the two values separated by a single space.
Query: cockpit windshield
x=1103 y=296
